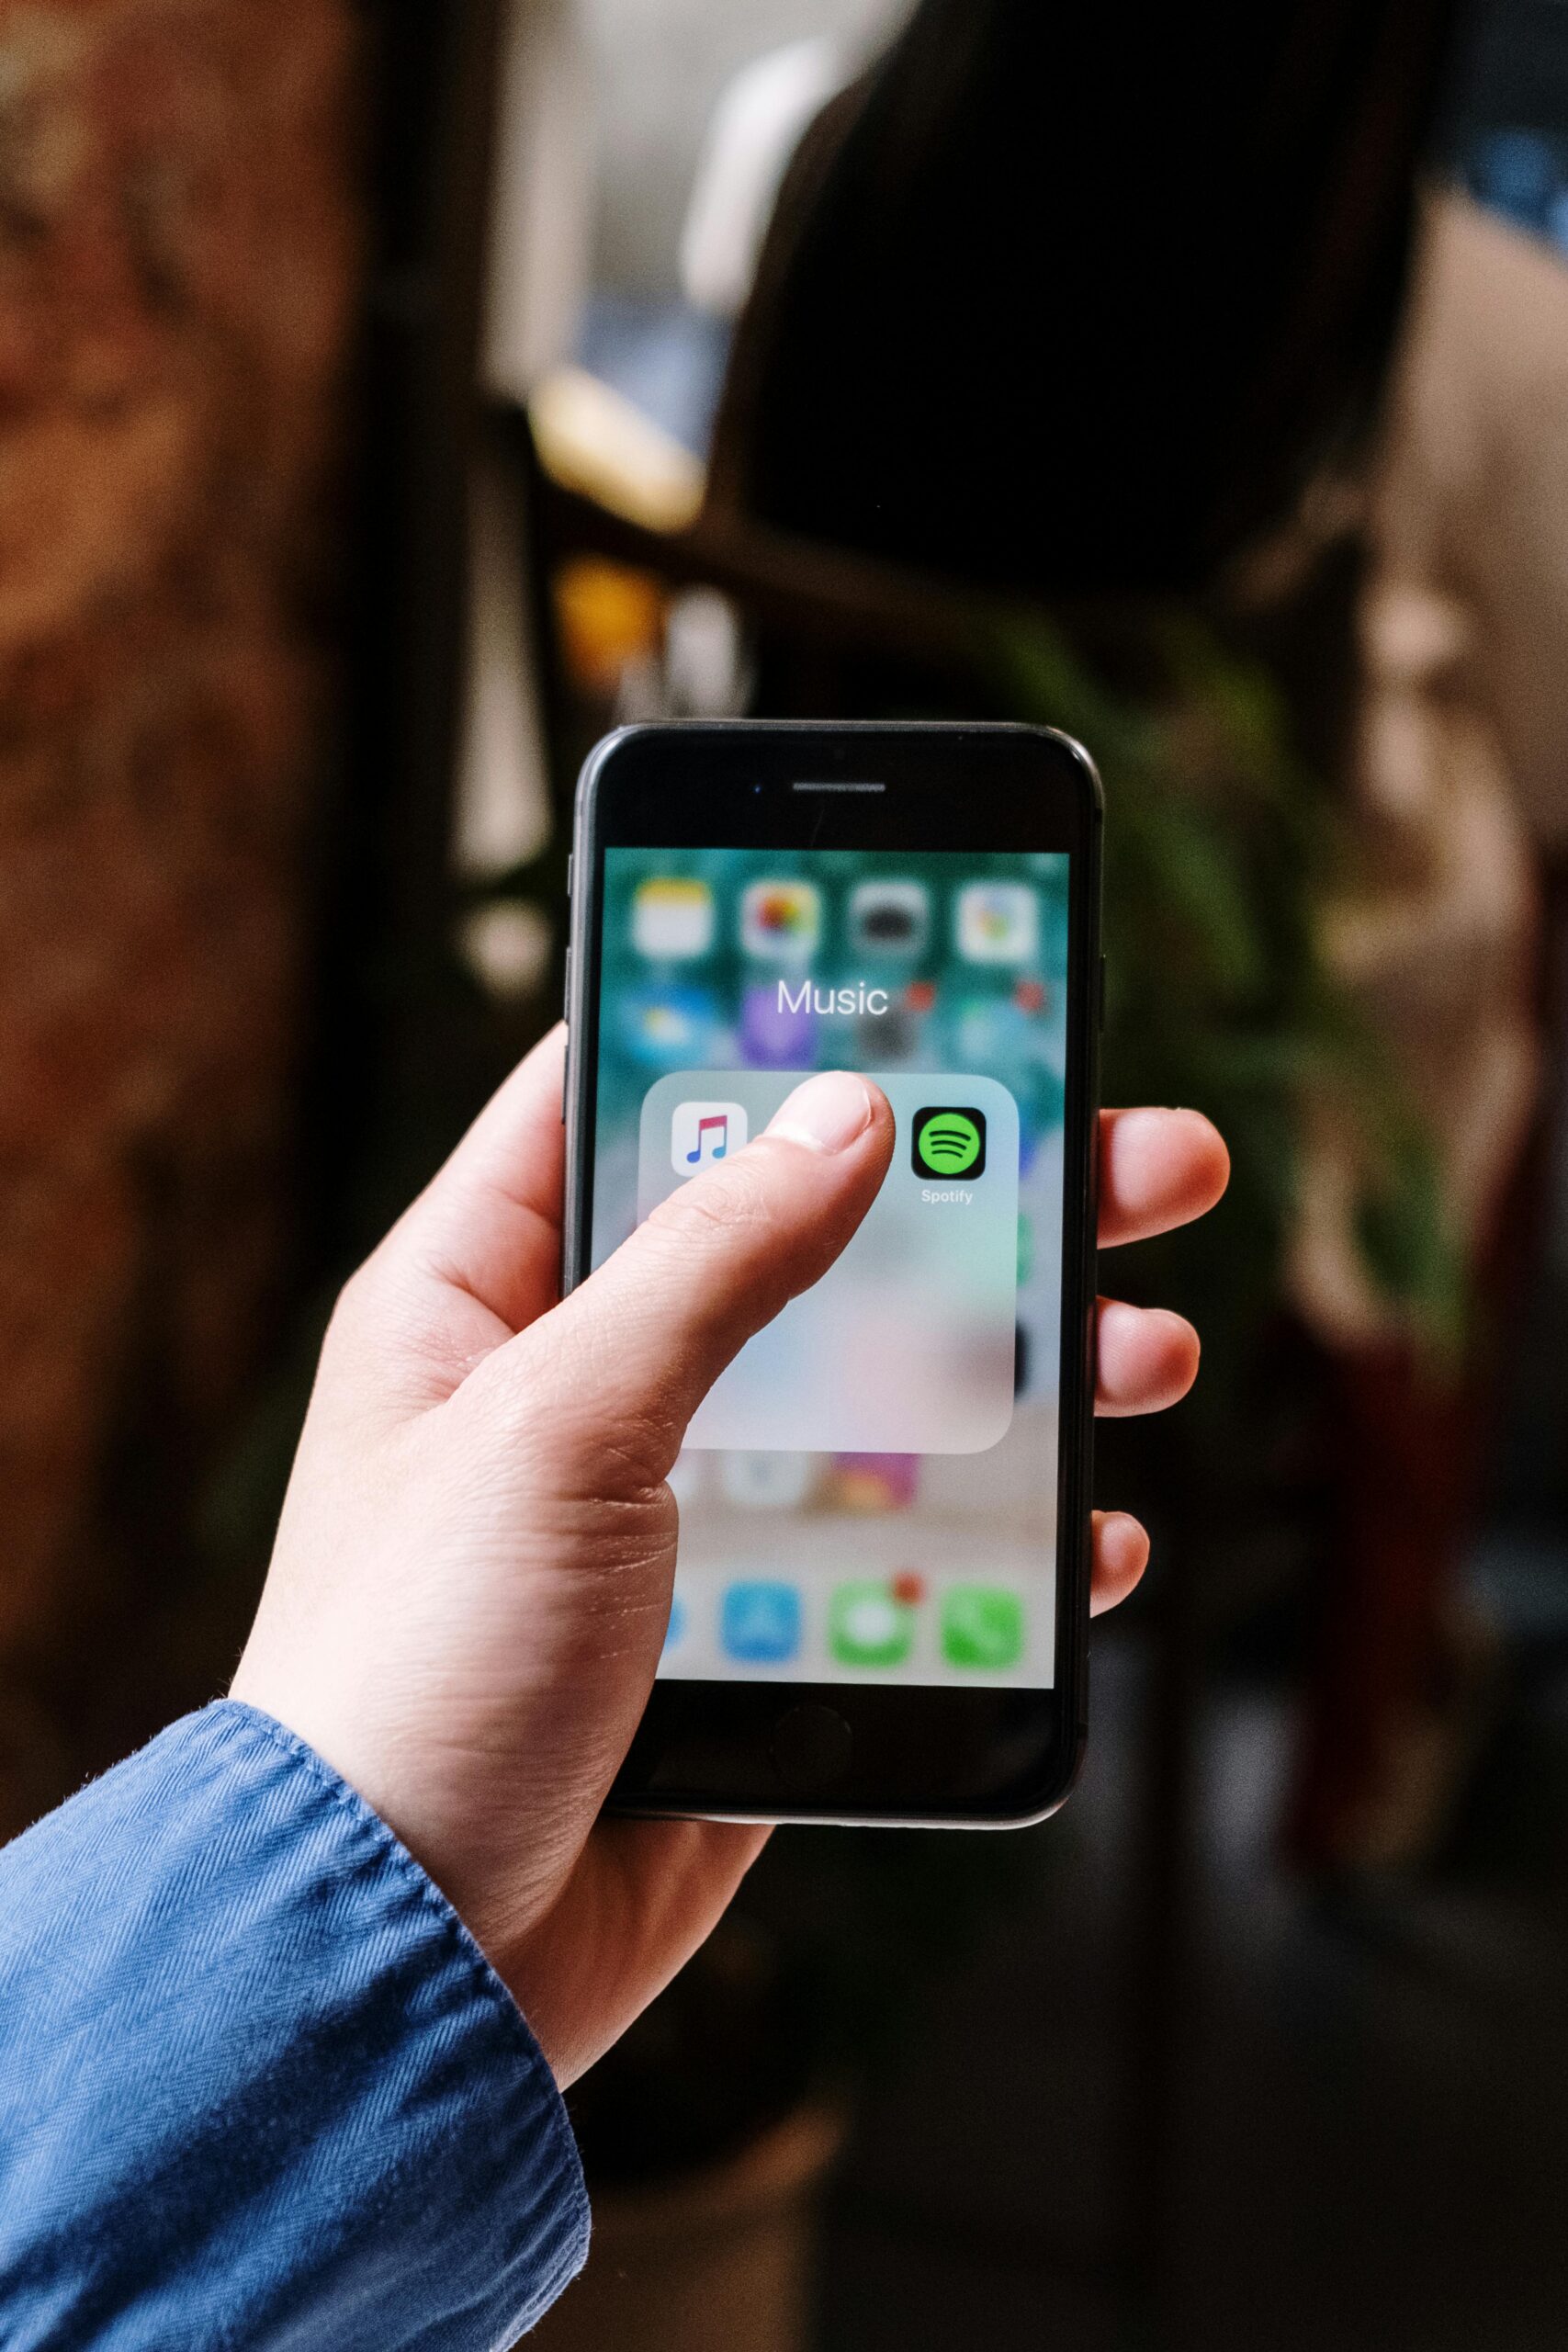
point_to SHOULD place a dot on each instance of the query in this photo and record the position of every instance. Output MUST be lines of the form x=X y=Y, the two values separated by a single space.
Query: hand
x=474 y=1565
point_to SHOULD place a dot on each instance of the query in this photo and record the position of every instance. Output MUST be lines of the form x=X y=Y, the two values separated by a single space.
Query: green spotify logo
x=949 y=1143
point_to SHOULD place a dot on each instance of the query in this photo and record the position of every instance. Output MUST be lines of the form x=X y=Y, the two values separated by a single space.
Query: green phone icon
x=949 y=1142
x=981 y=1626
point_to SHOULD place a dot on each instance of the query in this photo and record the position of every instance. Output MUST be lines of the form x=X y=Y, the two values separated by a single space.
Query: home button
x=811 y=1745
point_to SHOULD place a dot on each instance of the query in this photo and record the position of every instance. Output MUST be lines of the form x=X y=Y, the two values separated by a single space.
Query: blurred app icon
x=704 y=1133
x=989 y=1033
x=672 y=917
x=781 y=921
x=1032 y=996
x=999 y=923
x=889 y=918
x=766 y=1481
x=760 y=1624
x=667 y=1027
x=886 y=1038
x=869 y=1625
x=775 y=1033
x=982 y=1626
x=873 y=1482
x=919 y=996
x=675 y=1631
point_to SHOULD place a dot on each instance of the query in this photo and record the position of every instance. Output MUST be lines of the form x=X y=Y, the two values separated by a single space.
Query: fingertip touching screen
x=869 y=1492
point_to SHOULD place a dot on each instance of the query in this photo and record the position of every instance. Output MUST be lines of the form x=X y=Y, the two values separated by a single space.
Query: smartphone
x=881 y=1601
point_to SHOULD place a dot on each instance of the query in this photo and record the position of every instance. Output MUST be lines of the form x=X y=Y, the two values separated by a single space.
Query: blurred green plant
x=1221 y=846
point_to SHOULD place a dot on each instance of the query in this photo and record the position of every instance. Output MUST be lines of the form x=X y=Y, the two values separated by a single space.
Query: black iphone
x=882 y=1596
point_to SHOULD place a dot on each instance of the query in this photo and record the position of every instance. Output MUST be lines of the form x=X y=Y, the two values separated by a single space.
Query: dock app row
x=871 y=1622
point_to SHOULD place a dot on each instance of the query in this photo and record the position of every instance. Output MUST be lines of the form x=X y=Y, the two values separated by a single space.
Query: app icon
x=701 y=1133
x=869 y=1625
x=874 y=1482
x=672 y=917
x=760 y=1624
x=948 y=1143
x=981 y=1626
x=668 y=1026
x=999 y=923
x=766 y=1481
x=989 y=1033
x=775 y=1031
x=888 y=918
x=890 y=1039
x=781 y=921
x=675 y=1631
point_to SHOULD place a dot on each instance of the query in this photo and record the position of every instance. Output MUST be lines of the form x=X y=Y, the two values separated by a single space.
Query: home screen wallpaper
x=869 y=1492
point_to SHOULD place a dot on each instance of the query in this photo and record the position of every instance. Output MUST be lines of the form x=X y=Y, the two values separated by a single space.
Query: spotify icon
x=949 y=1142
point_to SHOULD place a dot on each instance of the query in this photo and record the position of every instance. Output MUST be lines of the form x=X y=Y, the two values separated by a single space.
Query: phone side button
x=811 y=1745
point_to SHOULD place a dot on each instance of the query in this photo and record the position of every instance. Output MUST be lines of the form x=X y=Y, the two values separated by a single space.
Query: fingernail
x=825 y=1113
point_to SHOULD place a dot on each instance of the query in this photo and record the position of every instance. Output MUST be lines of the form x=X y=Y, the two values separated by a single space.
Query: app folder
x=906 y=1344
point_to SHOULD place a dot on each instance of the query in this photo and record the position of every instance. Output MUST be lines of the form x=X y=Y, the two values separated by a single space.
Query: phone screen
x=869 y=1492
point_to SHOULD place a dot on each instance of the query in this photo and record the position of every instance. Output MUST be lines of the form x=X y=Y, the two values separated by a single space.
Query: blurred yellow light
x=591 y=439
x=608 y=615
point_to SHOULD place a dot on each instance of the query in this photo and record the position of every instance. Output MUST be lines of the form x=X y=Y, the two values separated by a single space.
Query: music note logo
x=701 y=1133
x=719 y=1128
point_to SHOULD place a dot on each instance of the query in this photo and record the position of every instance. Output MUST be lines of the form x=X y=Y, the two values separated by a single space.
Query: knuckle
x=352 y=1308
x=582 y=1434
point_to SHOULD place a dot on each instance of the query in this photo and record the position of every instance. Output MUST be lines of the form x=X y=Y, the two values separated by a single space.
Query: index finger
x=1157 y=1170
x=476 y=1257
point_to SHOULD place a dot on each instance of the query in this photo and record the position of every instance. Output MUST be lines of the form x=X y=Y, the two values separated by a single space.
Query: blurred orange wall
x=178 y=254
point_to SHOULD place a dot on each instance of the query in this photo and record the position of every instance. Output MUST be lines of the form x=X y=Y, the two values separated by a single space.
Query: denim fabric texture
x=258 y=2084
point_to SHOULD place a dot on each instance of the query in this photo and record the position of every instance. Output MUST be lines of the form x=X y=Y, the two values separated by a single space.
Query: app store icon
x=760 y=1624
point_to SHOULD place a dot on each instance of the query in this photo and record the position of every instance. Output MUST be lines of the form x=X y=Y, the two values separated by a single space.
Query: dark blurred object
x=707 y=2134
x=401 y=1055
x=706 y=2139
x=652 y=2114
x=1064 y=301
x=706 y=2175
x=179 y=250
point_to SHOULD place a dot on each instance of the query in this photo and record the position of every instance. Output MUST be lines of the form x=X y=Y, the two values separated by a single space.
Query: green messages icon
x=869 y=1625
x=949 y=1142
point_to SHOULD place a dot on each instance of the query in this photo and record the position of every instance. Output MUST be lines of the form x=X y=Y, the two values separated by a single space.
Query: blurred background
x=391 y=399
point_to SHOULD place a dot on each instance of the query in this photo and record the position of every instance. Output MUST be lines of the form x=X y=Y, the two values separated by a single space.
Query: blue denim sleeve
x=258 y=2085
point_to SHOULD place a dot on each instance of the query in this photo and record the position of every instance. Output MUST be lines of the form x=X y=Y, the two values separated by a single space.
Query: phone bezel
x=923 y=1754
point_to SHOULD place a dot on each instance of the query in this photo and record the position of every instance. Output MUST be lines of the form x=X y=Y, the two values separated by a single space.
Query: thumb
x=627 y=1358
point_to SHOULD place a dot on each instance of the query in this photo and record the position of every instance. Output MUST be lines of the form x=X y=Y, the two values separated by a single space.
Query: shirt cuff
x=268 y=2089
